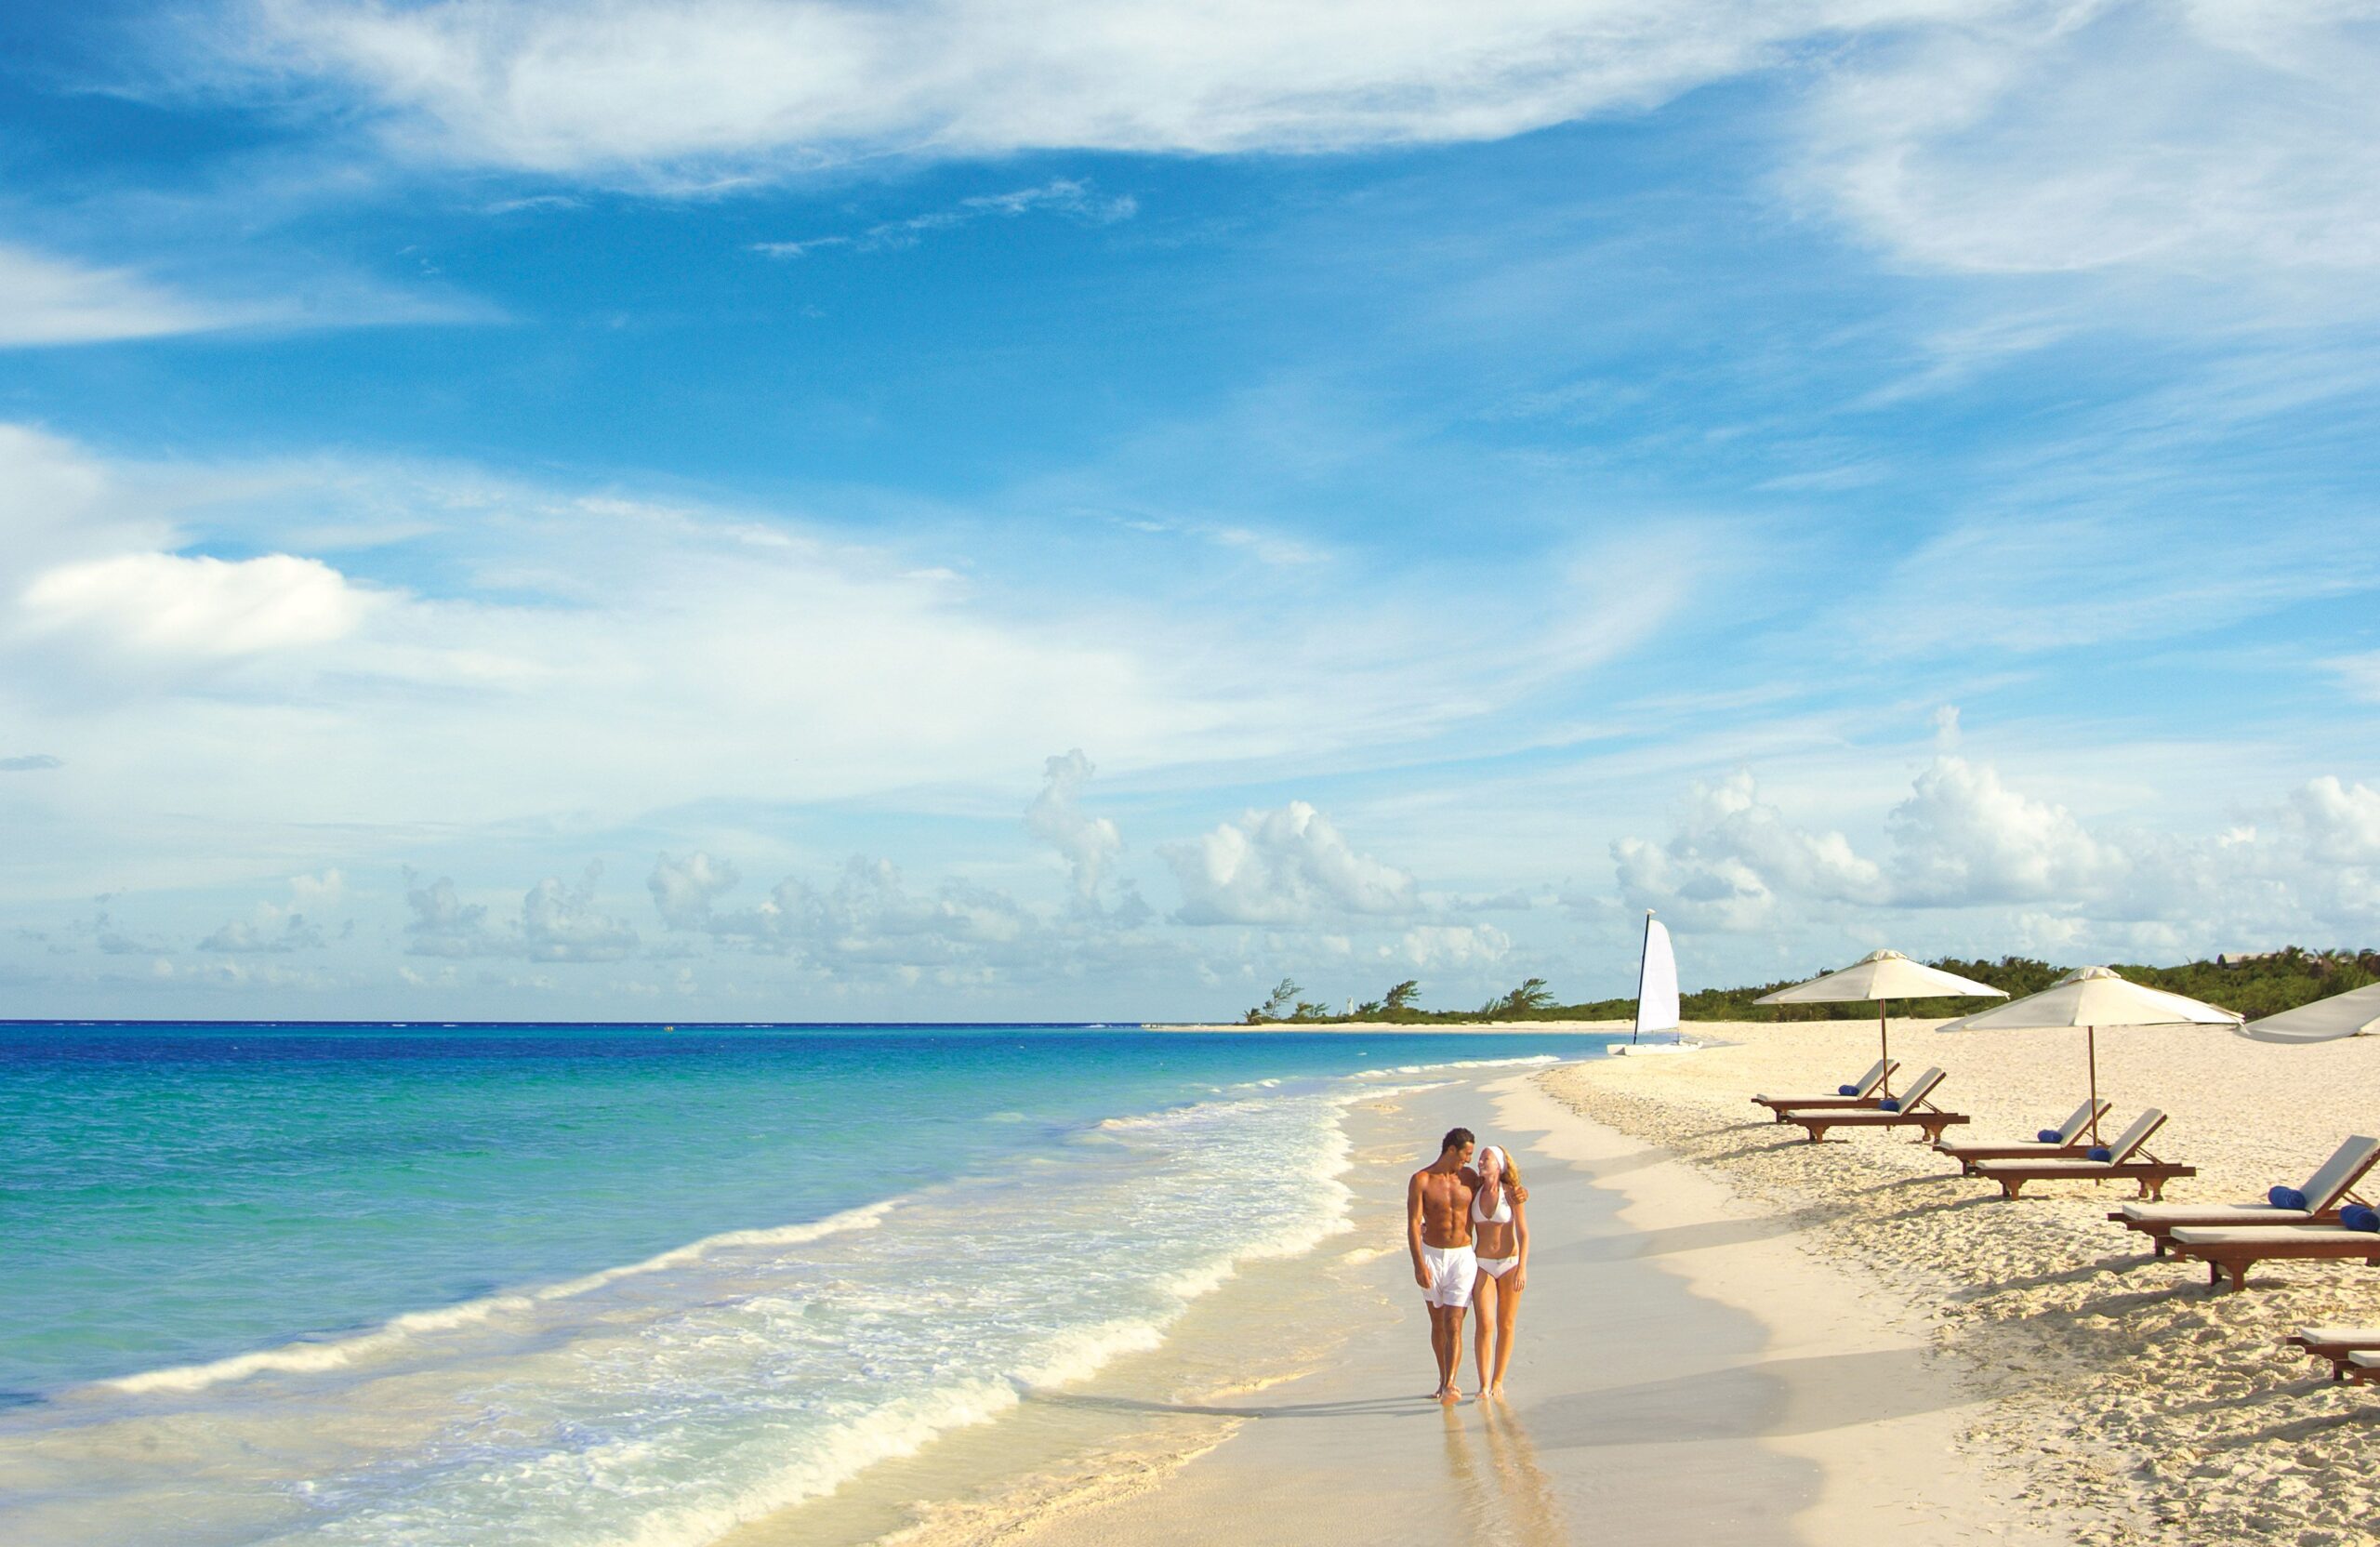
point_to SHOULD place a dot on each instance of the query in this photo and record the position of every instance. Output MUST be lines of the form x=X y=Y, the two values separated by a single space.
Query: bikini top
x=1503 y=1214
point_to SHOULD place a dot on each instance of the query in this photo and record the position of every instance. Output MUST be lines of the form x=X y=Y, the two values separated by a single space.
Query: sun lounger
x=1913 y=1108
x=2362 y=1365
x=2326 y=1190
x=2069 y=1142
x=2129 y=1160
x=1863 y=1093
x=2336 y=1343
x=2236 y=1250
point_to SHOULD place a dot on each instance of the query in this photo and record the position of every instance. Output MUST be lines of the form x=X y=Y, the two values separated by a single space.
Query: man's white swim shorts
x=1451 y=1269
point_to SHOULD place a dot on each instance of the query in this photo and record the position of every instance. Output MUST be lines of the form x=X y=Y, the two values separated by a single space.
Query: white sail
x=1657 y=981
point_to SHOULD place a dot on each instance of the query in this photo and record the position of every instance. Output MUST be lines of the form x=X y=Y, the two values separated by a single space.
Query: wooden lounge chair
x=2328 y=1189
x=1864 y=1092
x=2068 y=1143
x=2362 y=1365
x=1913 y=1108
x=2129 y=1161
x=2336 y=1344
x=2237 y=1249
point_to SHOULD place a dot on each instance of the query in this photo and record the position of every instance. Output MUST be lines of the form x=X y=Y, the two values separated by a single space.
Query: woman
x=1500 y=1235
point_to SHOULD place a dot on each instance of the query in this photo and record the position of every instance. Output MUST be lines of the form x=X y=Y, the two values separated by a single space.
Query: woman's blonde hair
x=1512 y=1172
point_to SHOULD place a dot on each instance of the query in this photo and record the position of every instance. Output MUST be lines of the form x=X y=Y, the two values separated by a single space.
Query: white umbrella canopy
x=1883 y=976
x=2095 y=996
x=2353 y=1013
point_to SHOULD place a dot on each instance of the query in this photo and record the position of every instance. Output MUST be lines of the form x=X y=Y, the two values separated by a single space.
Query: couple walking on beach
x=1468 y=1230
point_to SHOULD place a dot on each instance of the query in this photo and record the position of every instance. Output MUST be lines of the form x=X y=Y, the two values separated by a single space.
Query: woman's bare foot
x=1496 y=1391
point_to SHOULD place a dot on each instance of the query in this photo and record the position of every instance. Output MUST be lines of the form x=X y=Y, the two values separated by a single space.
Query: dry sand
x=2131 y=1405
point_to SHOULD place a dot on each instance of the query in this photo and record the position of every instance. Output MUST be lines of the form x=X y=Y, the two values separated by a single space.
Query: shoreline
x=1688 y=1372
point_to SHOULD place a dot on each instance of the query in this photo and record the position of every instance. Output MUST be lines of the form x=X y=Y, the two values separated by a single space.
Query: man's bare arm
x=1413 y=1229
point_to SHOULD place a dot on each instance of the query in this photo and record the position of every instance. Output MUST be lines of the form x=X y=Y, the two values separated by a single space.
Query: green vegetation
x=2261 y=985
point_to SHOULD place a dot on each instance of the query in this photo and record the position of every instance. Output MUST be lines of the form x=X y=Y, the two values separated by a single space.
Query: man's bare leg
x=1451 y=1359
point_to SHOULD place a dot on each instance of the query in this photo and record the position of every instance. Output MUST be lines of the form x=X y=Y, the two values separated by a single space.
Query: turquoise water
x=583 y=1285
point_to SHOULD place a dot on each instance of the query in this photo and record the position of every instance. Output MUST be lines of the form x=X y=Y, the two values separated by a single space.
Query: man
x=1437 y=1229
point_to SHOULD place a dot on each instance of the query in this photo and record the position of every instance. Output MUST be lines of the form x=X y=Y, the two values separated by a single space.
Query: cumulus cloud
x=1963 y=837
x=2030 y=874
x=443 y=925
x=683 y=888
x=1455 y=945
x=270 y=933
x=562 y=923
x=557 y=922
x=169 y=605
x=1731 y=857
x=1088 y=843
x=1284 y=866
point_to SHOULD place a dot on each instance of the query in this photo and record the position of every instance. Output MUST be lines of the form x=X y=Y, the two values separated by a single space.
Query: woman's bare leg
x=1508 y=1310
x=1484 y=1301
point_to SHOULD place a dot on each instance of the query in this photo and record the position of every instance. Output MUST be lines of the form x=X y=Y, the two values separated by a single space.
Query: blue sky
x=741 y=510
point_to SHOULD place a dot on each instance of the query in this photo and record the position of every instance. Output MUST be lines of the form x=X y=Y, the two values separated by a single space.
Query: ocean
x=567 y=1286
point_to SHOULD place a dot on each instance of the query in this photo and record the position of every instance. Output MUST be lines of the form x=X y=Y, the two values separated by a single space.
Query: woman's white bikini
x=1495 y=1268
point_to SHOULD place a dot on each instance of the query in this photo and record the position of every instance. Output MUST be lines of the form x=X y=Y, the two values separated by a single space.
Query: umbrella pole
x=1885 y=1045
x=2091 y=1040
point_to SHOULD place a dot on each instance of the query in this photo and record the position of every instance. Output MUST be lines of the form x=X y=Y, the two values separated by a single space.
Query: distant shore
x=1428 y=1029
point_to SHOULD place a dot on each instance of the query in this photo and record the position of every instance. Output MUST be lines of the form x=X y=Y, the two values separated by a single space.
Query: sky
x=744 y=511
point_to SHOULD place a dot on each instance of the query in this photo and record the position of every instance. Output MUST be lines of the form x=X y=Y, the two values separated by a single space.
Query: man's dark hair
x=1456 y=1138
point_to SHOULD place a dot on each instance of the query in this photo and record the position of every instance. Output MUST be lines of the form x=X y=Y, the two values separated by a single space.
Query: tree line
x=2261 y=985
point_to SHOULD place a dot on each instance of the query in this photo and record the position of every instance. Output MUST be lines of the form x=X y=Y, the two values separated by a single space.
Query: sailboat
x=1656 y=995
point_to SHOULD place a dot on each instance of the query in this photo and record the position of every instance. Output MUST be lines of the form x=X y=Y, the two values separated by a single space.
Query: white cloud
x=2052 y=137
x=2022 y=872
x=47 y=300
x=444 y=925
x=1090 y=844
x=557 y=922
x=271 y=932
x=1066 y=196
x=2338 y=822
x=729 y=84
x=562 y=923
x=1435 y=945
x=178 y=608
x=1962 y=836
x=1284 y=866
x=683 y=888
x=1732 y=855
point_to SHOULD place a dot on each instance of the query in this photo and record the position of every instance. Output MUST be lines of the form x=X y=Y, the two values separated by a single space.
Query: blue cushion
x=2286 y=1198
x=2356 y=1216
x=2050 y=1136
x=1888 y=1103
x=1846 y=1090
x=2100 y=1152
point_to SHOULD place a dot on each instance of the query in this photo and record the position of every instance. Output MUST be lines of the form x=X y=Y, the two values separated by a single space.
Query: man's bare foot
x=1453 y=1393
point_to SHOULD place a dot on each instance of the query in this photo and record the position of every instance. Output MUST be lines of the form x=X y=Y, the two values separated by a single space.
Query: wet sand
x=1684 y=1373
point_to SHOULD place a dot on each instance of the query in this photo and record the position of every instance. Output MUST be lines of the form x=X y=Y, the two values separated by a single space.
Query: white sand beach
x=1734 y=1336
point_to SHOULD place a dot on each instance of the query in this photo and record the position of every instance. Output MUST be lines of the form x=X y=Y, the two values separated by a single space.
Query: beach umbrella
x=2092 y=998
x=2353 y=1013
x=1883 y=976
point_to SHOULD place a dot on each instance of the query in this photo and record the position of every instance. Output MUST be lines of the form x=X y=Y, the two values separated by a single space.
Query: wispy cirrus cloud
x=1063 y=196
x=47 y=301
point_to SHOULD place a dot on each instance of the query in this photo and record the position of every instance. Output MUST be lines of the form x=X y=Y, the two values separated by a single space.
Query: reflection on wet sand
x=1513 y=1502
